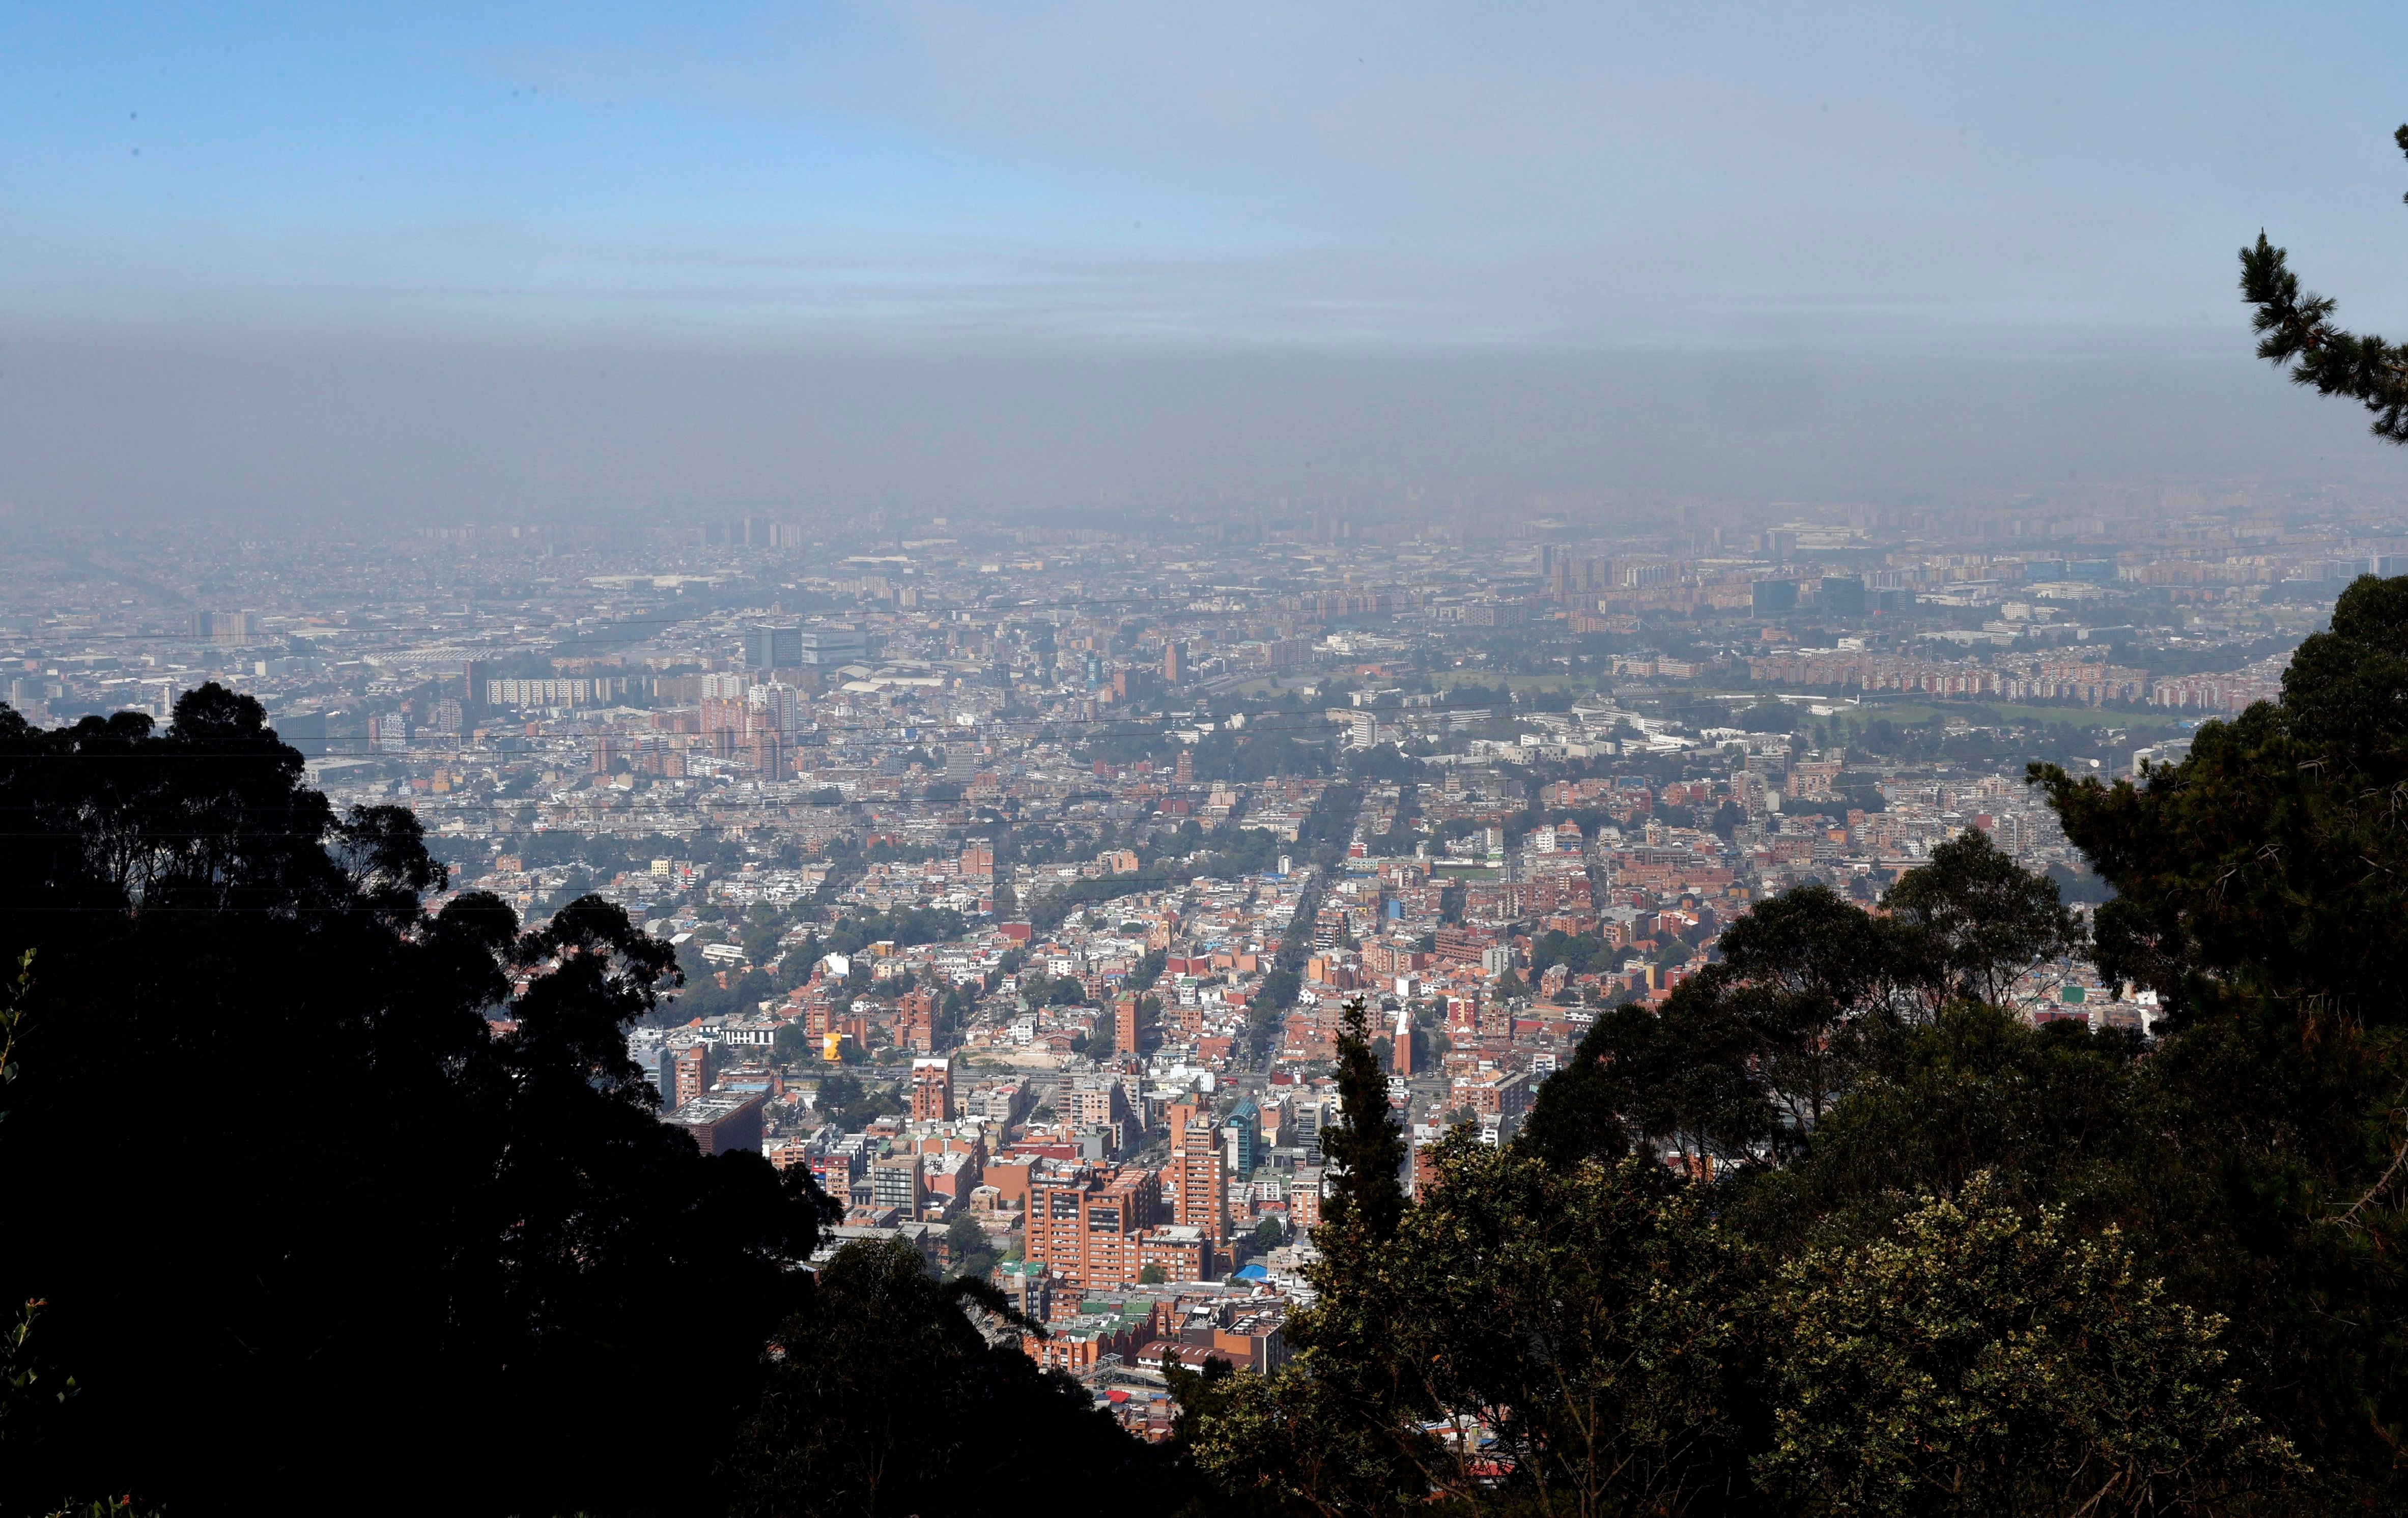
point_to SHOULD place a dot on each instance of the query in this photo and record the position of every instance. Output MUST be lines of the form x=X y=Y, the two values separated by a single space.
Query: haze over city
x=305 y=260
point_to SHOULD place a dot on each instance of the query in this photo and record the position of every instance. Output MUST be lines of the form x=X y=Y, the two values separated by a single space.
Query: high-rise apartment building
x=686 y=1074
x=895 y=1182
x=1086 y=1228
x=1304 y=1197
x=778 y=706
x=932 y=1090
x=225 y=626
x=1196 y=1173
x=1102 y=1102
x=1133 y=684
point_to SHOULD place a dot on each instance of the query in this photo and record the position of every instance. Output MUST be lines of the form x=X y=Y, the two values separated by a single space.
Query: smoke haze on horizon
x=461 y=432
x=619 y=259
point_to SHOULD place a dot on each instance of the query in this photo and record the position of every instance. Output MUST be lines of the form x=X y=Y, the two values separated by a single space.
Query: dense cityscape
x=951 y=760
x=1019 y=876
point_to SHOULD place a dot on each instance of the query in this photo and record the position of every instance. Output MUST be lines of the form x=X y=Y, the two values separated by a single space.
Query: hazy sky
x=428 y=256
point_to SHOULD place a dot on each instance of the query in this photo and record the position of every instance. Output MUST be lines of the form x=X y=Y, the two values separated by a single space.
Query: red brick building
x=1085 y=1227
x=932 y=1090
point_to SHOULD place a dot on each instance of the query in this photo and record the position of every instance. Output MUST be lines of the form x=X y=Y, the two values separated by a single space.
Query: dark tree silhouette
x=2298 y=330
x=327 y=1209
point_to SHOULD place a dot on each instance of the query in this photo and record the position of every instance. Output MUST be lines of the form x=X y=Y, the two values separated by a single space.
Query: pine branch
x=2297 y=330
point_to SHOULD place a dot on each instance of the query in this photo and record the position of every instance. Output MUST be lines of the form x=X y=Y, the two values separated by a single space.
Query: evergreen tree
x=2259 y=892
x=1365 y=1149
x=309 y=1187
x=2298 y=330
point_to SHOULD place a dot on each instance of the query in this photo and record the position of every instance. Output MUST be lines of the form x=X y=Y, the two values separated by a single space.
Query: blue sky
x=471 y=260
x=1237 y=173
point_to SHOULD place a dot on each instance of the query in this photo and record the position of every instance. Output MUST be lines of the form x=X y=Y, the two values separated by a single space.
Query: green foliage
x=1752 y=1051
x=1062 y=991
x=1148 y=971
x=704 y=997
x=1586 y=954
x=904 y=926
x=764 y=925
x=1578 y=1315
x=1979 y=1361
x=2298 y=330
x=2258 y=893
x=1295 y=1442
x=852 y=1106
x=12 y=1016
x=1365 y=1149
x=966 y=1252
x=1744 y=1059
x=1988 y=918
x=1584 y=1315
x=2051 y=1114
x=23 y=1383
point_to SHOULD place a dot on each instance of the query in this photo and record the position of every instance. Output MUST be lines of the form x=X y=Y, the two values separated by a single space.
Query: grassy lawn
x=1911 y=714
x=1905 y=712
x=1912 y=711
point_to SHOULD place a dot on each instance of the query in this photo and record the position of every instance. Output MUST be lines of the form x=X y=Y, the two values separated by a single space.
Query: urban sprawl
x=1019 y=875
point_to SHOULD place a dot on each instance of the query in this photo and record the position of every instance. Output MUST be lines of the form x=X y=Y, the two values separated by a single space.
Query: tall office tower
x=1843 y=595
x=831 y=645
x=772 y=648
x=769 y=755
x=1771 y=597
x=1241 y=1137
x=1174 y=663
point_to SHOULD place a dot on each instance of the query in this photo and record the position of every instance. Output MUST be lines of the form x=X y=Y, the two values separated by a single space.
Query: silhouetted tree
x=316 y=1181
